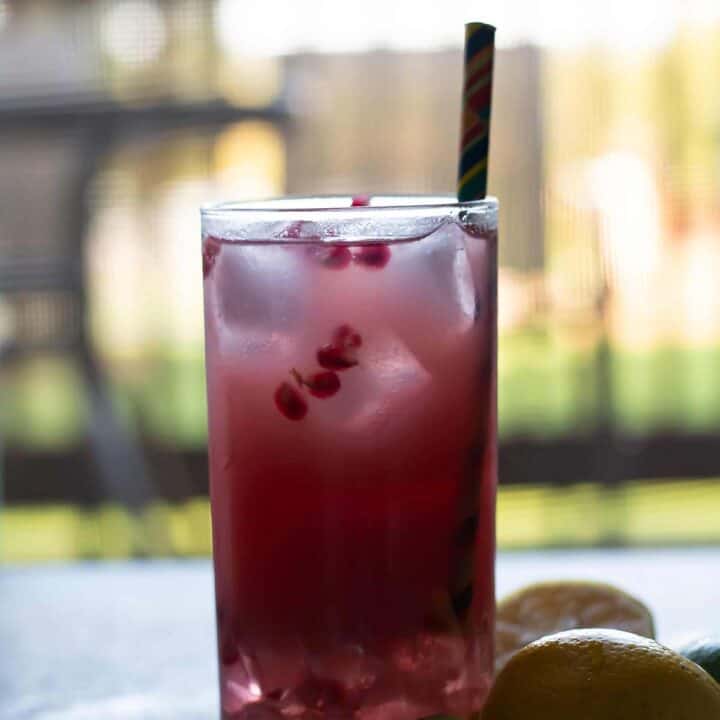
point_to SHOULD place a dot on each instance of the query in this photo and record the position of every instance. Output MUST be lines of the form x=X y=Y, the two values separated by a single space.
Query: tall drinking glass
x=351 y=389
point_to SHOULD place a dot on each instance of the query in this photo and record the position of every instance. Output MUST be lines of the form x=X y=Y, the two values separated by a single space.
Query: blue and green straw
x=477 y=99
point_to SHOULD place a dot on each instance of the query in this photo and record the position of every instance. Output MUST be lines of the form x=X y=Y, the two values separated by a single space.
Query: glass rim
x=323 y=204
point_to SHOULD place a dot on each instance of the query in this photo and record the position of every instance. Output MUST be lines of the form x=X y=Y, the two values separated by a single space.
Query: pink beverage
x=351 y=389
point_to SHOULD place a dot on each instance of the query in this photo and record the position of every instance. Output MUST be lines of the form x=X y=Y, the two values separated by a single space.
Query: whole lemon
x=551 y=607
x=600 y=674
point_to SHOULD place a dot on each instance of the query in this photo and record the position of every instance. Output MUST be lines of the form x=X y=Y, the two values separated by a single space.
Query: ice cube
x=430 y=664
x=431 y=295
x=258 y=286
x=351 y=667
x=238 y=687
x=433 y=656
x=464 y=288
x=282 y=666
x=259 y=349
x=399 y=708
x=256 y=303
x=447 y=283
x=376 y=394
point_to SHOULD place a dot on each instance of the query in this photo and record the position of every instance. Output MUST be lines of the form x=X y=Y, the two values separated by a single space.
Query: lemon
x=550 y=607
x=706 y=653
x=600 y=674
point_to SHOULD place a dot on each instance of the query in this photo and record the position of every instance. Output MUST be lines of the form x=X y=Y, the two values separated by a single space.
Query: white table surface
x=126 y=641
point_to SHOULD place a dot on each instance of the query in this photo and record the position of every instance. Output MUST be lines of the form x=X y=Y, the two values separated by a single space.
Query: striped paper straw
x=477 y=98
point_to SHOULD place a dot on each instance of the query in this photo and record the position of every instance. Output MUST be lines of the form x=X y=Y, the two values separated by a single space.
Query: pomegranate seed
x=373 y=256
x=360 y=201
x=323 y=384
x=335 y=257
x=290 y=402
x=210 y=250
x=340 y=354
x=347 y=337
x=332 y=357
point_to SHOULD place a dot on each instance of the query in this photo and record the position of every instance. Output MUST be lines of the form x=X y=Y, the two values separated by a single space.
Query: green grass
x=668 y=387
x=584 y=515
x=42 y=533
x=547 y=387
x=42 y=404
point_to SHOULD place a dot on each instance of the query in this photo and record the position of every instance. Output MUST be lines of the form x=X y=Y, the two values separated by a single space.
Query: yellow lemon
x=600 y=674
x=550 y=607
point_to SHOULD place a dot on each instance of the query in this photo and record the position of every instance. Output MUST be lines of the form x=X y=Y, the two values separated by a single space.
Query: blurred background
x=118 y=118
